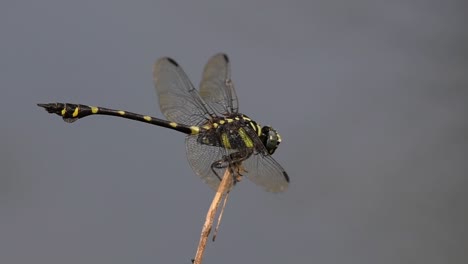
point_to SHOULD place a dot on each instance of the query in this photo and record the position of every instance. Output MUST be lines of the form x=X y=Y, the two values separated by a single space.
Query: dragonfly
x=218 y=137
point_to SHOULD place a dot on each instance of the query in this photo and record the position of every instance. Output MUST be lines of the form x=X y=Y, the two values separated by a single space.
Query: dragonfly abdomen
x=72 y=112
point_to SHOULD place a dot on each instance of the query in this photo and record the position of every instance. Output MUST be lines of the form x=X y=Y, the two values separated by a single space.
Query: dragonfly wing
x=216 y=86
x=179 y=101
x=201 y=157
x=266 y=172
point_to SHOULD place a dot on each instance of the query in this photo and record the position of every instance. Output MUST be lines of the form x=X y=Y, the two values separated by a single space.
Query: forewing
x=179 y=101
x=216 y=86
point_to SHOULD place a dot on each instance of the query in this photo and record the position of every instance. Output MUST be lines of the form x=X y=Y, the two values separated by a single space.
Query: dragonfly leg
x=233 y=162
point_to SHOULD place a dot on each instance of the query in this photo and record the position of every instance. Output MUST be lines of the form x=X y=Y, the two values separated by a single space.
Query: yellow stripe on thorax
x=256 y=127
x=246 y=118
x=247 y=140
x=225 y=141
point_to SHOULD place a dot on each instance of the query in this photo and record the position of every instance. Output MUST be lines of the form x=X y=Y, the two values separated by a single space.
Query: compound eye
x=270 y=139
x=271 y=142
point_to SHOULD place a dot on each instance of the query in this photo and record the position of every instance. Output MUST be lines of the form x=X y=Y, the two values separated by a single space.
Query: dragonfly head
x=270 y=139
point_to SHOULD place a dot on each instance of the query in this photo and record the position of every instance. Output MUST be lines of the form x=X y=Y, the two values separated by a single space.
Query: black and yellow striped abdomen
x=72 y=112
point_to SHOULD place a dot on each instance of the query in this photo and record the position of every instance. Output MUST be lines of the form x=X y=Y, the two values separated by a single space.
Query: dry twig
x=220 y=216
x=223 y=188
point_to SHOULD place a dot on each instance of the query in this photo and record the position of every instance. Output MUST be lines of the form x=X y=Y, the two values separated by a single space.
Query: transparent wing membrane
x=264 y=171
x=216 y=86
x=179 y=101
x=201 y=157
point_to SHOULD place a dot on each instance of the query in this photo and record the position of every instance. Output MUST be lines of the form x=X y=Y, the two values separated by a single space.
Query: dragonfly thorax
x=234 y=131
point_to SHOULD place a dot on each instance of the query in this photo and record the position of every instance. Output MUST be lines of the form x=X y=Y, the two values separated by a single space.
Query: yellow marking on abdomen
x=247 y=140
x=147 y=118
x=246 y=118
x=64 y=111
x=121 y=112
x=215 y=125
x=222 y=122
x=75 y=113
x=230 y=120
x=194 y=130
x=94 y=109
x=174 y=125
x=236 y=118
x=206 y=127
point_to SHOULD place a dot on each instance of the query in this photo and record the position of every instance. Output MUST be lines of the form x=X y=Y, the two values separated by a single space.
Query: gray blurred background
x=369 y=96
